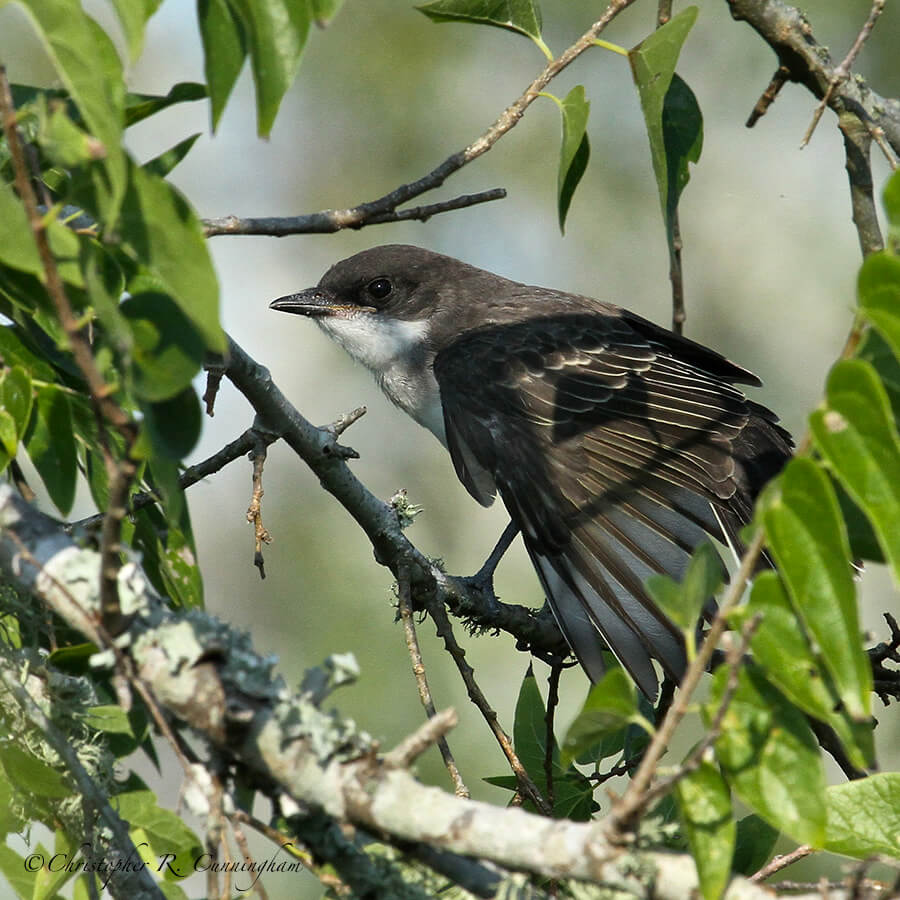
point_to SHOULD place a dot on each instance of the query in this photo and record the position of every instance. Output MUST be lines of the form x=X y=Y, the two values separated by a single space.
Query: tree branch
x=210 y=678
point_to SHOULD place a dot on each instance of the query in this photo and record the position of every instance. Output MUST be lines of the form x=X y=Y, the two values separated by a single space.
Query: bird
x=616 y=445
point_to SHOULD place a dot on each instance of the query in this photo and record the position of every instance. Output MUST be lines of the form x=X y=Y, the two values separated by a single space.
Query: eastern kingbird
x=616 y=445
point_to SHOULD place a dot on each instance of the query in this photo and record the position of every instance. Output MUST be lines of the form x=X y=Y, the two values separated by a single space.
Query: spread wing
x=617 y=447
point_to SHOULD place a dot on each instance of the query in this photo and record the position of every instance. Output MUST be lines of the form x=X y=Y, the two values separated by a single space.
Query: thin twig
x=663 y=12
x=241 y=840
x=676 y=276
x=550 y=735
x=331 y=220
x=236 y=449
x=254 y=511
x=768 y=96
x=426 y=735
x=777 y=863
x=418 y=666
x=445 y=631
x=734 y=659
x=629 y=806
x=842 y=72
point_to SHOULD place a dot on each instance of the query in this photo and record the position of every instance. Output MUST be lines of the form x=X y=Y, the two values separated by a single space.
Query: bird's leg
x=483 y=579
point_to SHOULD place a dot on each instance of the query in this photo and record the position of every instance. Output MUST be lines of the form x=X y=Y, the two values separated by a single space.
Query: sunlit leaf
x=780 y=647
x=671 y=113
x=864 y=816
x=683 y=602
x=133 y=16
x=522 y=16
x=879 y=295
x=575 y=150
x=856 y=434
x=704 y=804
x=275 y=32
x=141 y=106
x=769 y=755
x=806 y=534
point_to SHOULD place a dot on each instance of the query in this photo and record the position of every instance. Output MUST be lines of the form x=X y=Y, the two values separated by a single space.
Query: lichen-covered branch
x=210 y=678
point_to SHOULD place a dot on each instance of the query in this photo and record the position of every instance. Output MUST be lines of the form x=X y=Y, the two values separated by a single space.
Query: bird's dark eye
x=379 y=288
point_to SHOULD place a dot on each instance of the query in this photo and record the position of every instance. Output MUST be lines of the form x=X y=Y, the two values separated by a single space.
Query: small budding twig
x=779 y=79
x=777 y=863
x=254 y=511
x=418 y=666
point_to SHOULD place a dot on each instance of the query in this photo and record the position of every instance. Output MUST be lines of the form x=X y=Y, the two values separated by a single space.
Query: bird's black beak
x=311 y=302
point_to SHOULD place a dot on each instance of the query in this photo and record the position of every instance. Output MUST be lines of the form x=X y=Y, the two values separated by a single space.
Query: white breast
x=392 y=349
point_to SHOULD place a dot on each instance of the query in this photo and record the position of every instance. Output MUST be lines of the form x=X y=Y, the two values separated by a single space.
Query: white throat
x=393 y=351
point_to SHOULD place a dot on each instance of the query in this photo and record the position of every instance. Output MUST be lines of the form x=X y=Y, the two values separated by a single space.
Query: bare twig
x=254 y=511
x=236 y=449
x=663 y=12
x=445 y=631
x=550 y=735
x=842 y=72
x=630 y=805
x=676 y=277
x=241 y=840
x=734 y=659
x=768 y=95
x=857 y=141
x=426 y=735
x=331 y=220
x=807 y=62
x=418 y=665
x=777 y=863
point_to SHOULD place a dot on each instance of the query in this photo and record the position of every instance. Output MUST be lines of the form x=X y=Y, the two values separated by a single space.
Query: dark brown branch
x=768 y=95
x=857 y=141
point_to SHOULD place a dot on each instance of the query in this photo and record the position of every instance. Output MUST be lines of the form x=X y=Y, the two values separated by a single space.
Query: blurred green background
x=383 y=96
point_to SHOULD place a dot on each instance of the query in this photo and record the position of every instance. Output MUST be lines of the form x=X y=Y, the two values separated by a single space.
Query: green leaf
x=133 y=16
x=521 y=16
x=575 y=150
x=14 y=351
x=9 y=441
x=50 y=443
x=875 y=350
x=671 y=113
x=16 y=398
x=769 y=755
x=572 y=792
x=17 y=247
x=167 y=350
x=173 y=425
x=864 y=816
x=754 y=845
x=781 y=649
x=30 y=774
x=89 y=67
x=275 y=32
x=163 y=831
x=16 y=872
x=325 y=10
x=47 y=883
x=161 y=231
x=683 y=602
x=169 y=556
x=611 y=704
x=879 y=295
x=224 y=51
x=704 y=804
x=891 y=198
x=856 y=434
x=806 y=534
x=164 y=163
x=141 y=106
